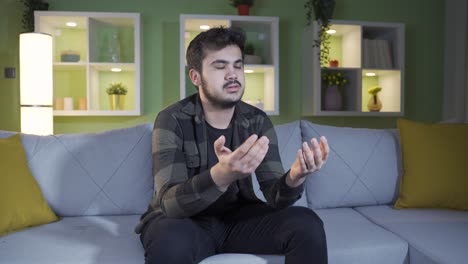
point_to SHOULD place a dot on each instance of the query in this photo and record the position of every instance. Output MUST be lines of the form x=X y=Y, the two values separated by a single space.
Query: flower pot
x=243 y=10
x=374 y=104
x=117 y=101
x=333 y=63
x=333 y=100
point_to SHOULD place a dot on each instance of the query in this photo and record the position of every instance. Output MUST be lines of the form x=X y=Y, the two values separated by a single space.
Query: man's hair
x=213 y=39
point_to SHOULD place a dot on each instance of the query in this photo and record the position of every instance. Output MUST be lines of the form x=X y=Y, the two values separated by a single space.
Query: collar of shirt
x=194 y=108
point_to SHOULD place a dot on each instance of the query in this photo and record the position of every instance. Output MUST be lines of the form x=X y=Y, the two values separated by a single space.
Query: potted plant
x=333 y=81
x=116 y=92
x=243 y=6
x=374 y=104
x=249 y=54
x=28 y=14
x=323 y=11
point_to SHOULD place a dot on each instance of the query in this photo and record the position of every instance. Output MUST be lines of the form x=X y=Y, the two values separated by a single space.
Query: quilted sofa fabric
x=435 y=236
x=108 y=173
x=363 y=167
x=76 y=240
x=352 y=238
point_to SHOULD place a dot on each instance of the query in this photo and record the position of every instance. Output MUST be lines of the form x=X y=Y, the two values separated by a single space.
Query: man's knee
x=303 y=216
x=306 y=237
x=171 y=240
x=306 y=225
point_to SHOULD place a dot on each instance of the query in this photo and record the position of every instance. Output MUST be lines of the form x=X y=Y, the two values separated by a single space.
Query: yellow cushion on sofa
x=22 y=204
x=435 y=165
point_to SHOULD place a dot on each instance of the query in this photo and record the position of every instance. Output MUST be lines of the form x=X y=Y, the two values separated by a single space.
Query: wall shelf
x=361 y=48
x=104 y=42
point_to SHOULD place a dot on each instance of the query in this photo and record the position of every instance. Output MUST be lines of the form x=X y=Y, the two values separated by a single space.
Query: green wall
x=10 y=27
x=424 y=22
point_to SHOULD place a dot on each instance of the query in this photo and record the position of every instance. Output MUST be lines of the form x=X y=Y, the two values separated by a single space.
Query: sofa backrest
x=108 y=173
x=289 y=141
x=364 y=167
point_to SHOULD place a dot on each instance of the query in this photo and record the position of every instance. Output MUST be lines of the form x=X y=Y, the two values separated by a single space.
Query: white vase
x=68 y=103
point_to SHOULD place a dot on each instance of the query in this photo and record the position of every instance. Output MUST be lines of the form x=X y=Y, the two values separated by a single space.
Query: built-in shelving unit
x=368 y=54
x=91 y=51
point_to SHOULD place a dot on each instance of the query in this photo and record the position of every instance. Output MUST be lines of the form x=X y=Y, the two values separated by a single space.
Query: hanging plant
x=28 y=14
x=323 y=12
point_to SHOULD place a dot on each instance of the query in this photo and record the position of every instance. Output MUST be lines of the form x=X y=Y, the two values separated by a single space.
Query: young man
x=205 y=149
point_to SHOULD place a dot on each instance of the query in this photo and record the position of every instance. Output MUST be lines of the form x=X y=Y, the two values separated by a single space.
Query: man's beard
x=220 y=102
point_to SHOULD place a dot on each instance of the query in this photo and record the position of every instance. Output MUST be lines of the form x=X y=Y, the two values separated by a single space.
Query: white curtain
x=455 y=103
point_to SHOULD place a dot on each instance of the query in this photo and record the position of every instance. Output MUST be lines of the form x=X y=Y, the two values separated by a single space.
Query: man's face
x=222 y=80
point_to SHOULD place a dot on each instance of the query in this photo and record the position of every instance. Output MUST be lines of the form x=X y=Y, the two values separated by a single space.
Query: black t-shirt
x=229 y=199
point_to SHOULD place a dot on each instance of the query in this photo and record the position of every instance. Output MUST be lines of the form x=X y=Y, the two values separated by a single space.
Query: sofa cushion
x=76 y=240
x=243 y=259
x=434 y=236
x=22 y=203
x=351 y=238
x=435 y=165
x=289 y=141
x=104 y=173
x=363 y=167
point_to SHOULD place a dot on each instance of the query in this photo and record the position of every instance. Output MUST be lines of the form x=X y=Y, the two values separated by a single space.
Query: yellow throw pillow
x=435 y=165
x=22 y=204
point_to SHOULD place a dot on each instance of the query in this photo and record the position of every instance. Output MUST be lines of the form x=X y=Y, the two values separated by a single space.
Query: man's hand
x=234 y=165
x=309 y=159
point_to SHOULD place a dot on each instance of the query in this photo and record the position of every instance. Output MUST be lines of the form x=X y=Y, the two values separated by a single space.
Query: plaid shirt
x=183 y=183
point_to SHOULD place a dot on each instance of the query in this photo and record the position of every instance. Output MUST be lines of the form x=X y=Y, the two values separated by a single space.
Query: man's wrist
x=222 y=183
x=293 y=183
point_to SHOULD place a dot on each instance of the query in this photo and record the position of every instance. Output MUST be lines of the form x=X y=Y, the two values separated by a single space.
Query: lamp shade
x=37 y=120
x=36 y=83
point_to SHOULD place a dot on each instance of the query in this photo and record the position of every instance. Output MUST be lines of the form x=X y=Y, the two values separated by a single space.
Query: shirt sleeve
x=177 y=194
x=270 y=173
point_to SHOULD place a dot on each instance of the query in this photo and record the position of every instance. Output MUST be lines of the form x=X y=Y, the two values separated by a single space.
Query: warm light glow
x=116 y=69
x=36 y=83
x=370 y=74
x=35 y=69
x=71 y=24
x=37 y=120
x=204 y=27
x=248 y=71
x=331 y=31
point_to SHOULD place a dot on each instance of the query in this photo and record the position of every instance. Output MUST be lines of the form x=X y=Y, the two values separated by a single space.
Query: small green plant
x=28 y=14
x=116 y=88
x=249 y=49
x=235 y=3
x=334 y=78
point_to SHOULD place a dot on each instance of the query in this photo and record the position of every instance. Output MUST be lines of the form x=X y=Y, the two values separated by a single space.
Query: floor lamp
x=36 y=84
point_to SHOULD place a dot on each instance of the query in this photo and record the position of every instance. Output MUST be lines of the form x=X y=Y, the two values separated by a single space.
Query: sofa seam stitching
x=117 y=169
x=357 y=178
x=399 y=236
x=365 y=165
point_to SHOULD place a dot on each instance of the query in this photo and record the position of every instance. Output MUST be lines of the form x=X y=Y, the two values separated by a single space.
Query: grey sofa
x=101 y=183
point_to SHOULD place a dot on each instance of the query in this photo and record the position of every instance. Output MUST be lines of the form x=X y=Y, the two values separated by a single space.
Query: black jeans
x=295 y=232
